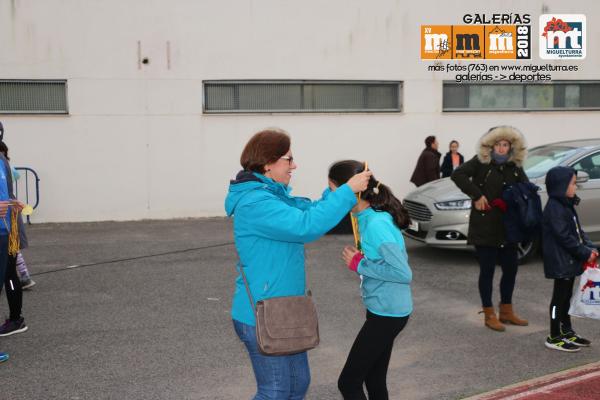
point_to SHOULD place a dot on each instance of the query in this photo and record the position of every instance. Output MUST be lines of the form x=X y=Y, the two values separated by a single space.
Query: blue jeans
x=277 y=377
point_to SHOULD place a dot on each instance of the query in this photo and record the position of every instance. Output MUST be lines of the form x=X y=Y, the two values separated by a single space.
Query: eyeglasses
x=289 y=159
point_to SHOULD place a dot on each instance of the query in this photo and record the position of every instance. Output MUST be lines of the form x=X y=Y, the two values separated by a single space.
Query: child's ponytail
x=379 y=195
x=381 y=198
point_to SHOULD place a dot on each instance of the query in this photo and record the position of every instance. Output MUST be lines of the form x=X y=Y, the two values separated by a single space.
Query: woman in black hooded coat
x=497 y=165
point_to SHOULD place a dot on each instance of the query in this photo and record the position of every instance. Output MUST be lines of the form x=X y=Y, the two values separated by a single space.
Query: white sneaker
x=27 y=284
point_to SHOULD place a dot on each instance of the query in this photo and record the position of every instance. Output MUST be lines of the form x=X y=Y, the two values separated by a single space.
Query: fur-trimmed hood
x=518 y=151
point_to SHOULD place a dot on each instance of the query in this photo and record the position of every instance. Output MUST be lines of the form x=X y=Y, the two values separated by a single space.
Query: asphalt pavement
x=140 y=310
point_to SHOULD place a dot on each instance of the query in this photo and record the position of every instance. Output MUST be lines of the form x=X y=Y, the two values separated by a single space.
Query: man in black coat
x=428 y=165
x=566 y=248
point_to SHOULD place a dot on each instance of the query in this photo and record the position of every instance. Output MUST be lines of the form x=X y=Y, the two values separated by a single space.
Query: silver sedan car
x=440 y=211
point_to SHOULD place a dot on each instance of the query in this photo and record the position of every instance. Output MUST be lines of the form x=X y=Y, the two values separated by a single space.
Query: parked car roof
x=575 y=143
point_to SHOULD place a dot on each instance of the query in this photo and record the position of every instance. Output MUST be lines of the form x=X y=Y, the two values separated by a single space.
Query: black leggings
x=369 y=358
x=14 y=291
x=560 y=321
x=489 y=257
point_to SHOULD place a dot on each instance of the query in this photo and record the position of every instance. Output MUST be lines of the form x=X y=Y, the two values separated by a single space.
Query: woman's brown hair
x=265 y=147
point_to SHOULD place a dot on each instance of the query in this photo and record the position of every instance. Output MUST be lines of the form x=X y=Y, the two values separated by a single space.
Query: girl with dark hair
x=22 y=270
x=270 y=228
x=452 y=160
x=12 y=283
x=386 y=278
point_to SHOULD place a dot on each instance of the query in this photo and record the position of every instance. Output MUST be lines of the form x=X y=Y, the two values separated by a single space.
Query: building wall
x=136 y=145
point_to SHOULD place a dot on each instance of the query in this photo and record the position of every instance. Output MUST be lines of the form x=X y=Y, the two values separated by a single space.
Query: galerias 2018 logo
x=562 y=36
x=484 y=37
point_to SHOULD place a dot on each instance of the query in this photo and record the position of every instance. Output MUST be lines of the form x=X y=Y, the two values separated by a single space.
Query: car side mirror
x=582 y=177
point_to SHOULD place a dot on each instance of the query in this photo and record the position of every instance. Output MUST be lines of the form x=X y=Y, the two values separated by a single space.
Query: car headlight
x=454 y=205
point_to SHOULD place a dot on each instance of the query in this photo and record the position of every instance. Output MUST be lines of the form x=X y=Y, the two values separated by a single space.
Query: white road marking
x=545 y=389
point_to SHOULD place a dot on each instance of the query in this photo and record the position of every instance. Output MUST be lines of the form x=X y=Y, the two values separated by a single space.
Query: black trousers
x=3 y=257
x=369 y=358
x=14 y=291
x=489 y=257
x=560 y=321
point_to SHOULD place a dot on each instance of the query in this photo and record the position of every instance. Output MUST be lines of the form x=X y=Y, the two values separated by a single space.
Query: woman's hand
x=359 y=182
x=4 y=208
x=17 y=204
x=482 y=204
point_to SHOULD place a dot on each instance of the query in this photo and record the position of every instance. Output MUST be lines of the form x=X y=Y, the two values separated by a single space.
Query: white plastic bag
x=585 y=301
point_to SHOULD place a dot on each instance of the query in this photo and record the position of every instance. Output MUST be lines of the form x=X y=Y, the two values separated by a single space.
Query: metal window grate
x=25 y=96
x=555 y=96
x=301 y=96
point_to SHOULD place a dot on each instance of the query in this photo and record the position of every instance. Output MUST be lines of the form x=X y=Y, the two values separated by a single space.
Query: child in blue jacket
x=386 y=278
x=566 y=248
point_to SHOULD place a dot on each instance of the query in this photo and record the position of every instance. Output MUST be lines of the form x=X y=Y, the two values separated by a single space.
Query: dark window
x=301 y=96
x=555 y=96
x=590 y=164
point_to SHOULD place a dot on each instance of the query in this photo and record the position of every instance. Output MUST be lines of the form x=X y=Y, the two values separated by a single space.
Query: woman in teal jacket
x=386 y=277
x=270 y=229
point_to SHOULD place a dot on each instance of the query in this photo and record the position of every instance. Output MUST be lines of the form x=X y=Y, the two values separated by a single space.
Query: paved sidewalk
x=145 y=315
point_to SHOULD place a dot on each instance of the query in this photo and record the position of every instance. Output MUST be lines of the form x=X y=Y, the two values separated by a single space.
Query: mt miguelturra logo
x=562 y=36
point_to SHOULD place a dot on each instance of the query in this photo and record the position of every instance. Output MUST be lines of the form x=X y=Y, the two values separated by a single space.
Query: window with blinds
x=26 y=96
x=301 y=96
x=555 y=96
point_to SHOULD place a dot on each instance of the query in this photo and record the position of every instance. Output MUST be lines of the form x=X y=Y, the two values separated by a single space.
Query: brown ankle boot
x=491 y=321
x=508 y=316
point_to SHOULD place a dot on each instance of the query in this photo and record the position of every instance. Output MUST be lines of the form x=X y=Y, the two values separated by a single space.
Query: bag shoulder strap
x=252 y=304
x=247 y=287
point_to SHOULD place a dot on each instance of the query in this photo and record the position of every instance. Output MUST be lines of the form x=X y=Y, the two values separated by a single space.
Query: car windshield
x=541 y=159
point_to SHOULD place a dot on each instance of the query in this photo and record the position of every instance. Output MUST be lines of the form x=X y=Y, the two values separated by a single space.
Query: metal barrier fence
x=24 y=180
